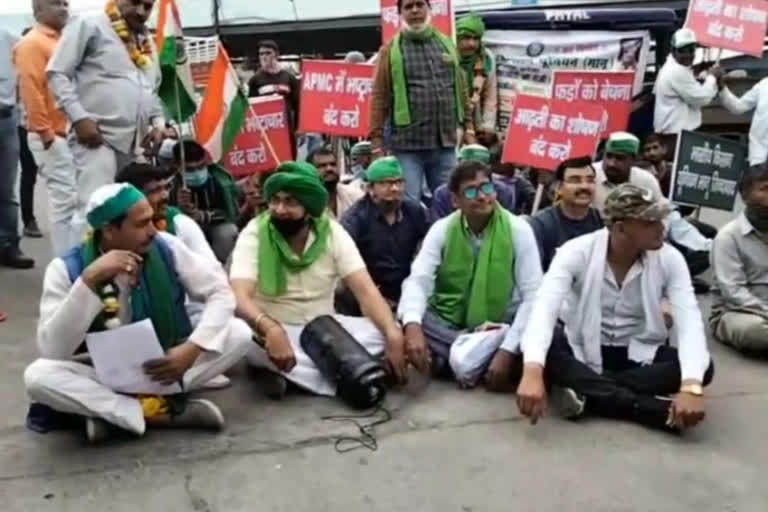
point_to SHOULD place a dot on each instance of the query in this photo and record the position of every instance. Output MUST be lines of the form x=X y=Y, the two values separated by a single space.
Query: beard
x=331 y=185
x=288 y=227
x=418 y=27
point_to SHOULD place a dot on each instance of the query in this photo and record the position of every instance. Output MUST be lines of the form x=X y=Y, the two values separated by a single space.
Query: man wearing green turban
x=479 y=67
x=286 y=266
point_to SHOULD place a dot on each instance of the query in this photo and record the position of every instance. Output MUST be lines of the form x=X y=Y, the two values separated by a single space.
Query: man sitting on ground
x=208 y=195
x=475 y=266
x=740 y=260
x=387 y=229
x=613 y=358
x=341 y=197
x=253 y=202
x=573 y=216
x=149 y=274
x=361 y=157
x=285 y=269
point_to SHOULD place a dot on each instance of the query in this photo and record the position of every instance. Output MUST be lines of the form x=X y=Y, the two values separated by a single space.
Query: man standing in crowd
x=285 y=269
x=478 y=265
x=126 y=273
x=419 y=89
x=479 y=68
x=655 y=154
x=270 y=78
x=755 y=99
x=613 y=358
x=207 y=193
x=740 y=260
x=104 y=75
x=386 y=227
x=46 y=124
x=574 y=215
x=341 y=196
x=679 y=96
x=28 y=182
x=10 y=253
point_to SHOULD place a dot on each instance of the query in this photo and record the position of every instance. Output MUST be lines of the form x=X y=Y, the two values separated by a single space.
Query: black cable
x=367 y=438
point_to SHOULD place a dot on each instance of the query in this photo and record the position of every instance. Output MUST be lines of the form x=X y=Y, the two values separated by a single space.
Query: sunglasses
x=473 y=192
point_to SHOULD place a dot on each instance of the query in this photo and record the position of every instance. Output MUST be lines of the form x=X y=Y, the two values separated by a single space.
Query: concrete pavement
x=445 y=450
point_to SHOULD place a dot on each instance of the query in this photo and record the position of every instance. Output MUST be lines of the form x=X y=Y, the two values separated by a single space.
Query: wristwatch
x=692 y=389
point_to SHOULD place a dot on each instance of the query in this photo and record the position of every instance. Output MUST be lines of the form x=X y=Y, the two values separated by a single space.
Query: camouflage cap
x=628 y=201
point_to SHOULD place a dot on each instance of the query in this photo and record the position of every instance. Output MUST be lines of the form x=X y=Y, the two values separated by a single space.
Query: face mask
x=288 y=227
x=357 y=170
x=196 y=177
x=758 y=217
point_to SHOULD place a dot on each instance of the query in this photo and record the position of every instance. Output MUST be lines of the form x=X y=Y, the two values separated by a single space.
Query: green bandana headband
x=302 y=181
x=475 y=153
x=470 y=25
x=622 y=143
x=387 y=168
x=361 y=149
x=110 y=202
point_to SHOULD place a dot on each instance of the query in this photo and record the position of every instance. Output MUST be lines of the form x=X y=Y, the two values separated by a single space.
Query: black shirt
x=387 y=250
x=553 y=229
x=283 y=83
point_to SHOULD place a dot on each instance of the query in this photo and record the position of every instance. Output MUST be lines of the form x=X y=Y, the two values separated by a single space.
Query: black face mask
x=758 y=217
x=330 y=186
x=288 y=227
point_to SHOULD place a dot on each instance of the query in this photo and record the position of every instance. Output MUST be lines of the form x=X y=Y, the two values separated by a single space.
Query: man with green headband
x=420 y=90
x=126 y=272
x=478 y=266
x=479 y=67
x=286 y=266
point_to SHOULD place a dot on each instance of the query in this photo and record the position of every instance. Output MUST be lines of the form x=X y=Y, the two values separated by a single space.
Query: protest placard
x=442 y=18
x=543 y=132
x=707 y=170
x=738 y=25
x=250 y=152
x=335 y=98
x=611 y=90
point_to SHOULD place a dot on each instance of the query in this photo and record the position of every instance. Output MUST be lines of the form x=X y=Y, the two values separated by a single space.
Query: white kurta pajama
x=67 y=310
x=309 y=294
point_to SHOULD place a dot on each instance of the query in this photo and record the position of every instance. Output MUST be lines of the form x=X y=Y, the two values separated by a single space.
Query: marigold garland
x=140 y=54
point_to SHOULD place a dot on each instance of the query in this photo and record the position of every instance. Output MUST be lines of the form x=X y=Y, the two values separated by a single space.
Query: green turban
x=387 y=168
x=302 y=181
x=475 y=153
x=622 y=143
x=109 y=202
x=470 y=25
x=362 y=148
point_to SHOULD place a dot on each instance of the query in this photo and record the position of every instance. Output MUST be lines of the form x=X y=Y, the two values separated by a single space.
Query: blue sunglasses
x=472 y=192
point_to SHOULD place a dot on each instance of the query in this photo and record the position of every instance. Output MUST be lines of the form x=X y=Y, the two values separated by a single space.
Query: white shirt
x=67 y=309
x=623 y=316
x=755 y=99
x=189 y=232
x=419 y=286
x=679 y=98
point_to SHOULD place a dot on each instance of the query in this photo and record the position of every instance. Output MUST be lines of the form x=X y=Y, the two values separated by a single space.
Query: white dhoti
x=72 y=387
x=305 y=374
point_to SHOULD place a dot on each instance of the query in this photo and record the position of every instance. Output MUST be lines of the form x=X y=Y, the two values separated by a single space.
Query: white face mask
x=415 y=29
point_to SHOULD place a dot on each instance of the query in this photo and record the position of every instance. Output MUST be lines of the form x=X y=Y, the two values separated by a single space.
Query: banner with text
x=738 y=25
x=544 y=132
x=335 y=98
x=707 y=170
x=442 y=18
x=527 y=59
x=611 y=90
x=250 y=153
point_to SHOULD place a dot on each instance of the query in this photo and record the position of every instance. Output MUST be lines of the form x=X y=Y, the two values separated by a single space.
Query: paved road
x=445 y=450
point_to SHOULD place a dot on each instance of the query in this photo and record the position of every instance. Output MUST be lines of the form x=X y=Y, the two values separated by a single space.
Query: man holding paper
x=125 y=273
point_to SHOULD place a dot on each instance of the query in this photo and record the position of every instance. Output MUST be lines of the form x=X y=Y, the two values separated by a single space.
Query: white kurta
x=679 y=98
x=189 y=232
x=755 y=99
x=67 y=310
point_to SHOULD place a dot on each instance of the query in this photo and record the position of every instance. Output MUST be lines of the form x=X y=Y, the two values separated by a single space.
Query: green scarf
x=276 y=256
x=468 y=299
x=170 y=219
x=402 y=110
x=479 y=63
x=228 y=189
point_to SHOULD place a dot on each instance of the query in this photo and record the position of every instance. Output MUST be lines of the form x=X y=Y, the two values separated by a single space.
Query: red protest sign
x=543 y=132
x=335 y=98
x=738 y=25
x=442 y=18
x=611 y=90
x=250 y=152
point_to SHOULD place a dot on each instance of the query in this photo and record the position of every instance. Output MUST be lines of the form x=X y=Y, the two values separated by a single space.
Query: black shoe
x=700 y=287
x=13 y=257
x=31 y=230
x=274 y=385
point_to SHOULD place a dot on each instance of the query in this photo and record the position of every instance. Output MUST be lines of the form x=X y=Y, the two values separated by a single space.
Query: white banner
x=526 y=59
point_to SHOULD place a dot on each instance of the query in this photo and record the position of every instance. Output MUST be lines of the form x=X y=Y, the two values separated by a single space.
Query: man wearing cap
x=386 y=227
x=613 y=359
x=126 y=272
x=285 y=269
x=361 y=157
x=419 y=89
x=442 y=200
x=477 y=266
x=479 y=68
x=679 y=96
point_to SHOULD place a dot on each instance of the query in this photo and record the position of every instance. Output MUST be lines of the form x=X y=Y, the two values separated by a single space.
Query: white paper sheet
x=119 y=355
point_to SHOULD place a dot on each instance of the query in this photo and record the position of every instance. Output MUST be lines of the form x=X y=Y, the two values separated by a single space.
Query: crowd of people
x=425 y=243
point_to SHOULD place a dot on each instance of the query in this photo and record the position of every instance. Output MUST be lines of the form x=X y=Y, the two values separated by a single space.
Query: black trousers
x=28 y=179
x=625 y=390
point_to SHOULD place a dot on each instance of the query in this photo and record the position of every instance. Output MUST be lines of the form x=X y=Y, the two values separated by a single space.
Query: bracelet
x=258 y=320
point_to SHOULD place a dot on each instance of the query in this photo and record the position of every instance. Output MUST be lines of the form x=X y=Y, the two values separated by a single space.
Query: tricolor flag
x=177 y=90
x=223 y=109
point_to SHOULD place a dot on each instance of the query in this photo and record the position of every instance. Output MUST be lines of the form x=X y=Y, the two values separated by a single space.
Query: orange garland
x=140 y=55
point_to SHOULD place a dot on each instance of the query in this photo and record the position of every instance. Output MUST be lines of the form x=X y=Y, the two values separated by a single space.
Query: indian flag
x=177 y=89
x=223 y=109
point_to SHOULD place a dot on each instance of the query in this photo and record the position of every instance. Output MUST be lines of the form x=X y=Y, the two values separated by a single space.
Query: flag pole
x=182 y=152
